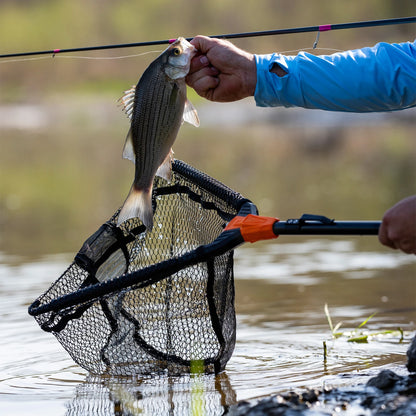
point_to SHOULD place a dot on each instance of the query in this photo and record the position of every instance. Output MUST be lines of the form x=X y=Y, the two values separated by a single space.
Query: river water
x=281 y=289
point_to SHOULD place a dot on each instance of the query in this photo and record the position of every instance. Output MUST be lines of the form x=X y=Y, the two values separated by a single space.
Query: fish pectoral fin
x=128 y=151
x=190 y=114
x=165 y=169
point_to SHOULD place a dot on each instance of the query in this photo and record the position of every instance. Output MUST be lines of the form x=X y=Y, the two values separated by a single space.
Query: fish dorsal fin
x=165 y=169
x=190 y=114
x=127 y=101
x=128 y=151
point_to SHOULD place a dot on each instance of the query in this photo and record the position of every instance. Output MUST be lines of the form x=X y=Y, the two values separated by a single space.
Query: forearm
x=382 y=78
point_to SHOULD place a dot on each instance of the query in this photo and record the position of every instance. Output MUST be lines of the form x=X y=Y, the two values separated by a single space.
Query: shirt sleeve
x=381 y=78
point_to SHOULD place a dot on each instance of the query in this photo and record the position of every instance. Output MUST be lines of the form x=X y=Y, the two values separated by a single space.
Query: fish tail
x=138 y=204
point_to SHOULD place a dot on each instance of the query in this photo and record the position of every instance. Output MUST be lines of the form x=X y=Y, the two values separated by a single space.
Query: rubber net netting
x=151 y=320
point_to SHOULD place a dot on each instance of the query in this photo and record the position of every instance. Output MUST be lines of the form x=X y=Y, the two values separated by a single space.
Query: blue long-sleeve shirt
x=381 y=78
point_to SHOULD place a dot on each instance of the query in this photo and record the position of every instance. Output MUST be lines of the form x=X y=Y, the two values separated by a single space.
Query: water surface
x=281 y=289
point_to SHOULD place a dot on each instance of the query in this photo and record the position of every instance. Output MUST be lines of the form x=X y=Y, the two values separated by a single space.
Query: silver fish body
x=157 y=107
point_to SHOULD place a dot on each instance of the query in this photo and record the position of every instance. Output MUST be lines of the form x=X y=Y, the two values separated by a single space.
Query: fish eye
x=176 y=51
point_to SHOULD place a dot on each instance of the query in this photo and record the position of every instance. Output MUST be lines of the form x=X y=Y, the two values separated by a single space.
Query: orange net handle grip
x=254 y=227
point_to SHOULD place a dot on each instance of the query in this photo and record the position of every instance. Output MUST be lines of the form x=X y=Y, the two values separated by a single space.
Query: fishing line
x=38 y=58
x=105 y=57
x=24 y=59
x=310 y=49
x=318 y=29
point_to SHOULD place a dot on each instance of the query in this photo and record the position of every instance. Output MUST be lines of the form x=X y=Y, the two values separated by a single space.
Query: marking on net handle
x=254 y=227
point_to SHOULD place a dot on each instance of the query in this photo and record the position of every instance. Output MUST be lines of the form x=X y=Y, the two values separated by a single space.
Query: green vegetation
x=358 y=334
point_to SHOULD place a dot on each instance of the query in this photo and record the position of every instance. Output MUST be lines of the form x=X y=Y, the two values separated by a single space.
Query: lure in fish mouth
x=156 y=106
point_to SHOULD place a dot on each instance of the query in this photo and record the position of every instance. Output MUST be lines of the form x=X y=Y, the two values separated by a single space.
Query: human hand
x=398 y=228
x=220 y=71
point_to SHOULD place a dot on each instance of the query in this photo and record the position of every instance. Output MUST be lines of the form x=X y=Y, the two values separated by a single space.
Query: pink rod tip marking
x=172 y=40
x=324 y=28
x=56 y=50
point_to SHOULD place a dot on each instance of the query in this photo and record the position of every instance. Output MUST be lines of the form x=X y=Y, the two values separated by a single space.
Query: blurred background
x=62 y=132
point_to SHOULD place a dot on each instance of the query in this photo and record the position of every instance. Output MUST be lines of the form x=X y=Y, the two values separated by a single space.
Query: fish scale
x=149 y=124
x=156 y=128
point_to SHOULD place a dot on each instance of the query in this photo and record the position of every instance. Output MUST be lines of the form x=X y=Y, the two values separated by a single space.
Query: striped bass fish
x=156 y=106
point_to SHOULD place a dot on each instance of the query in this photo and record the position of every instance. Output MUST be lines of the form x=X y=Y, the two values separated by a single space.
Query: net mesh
x=151 y=320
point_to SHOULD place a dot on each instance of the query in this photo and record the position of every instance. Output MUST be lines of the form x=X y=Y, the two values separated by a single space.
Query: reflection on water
x=186 y=395
x=281 y=289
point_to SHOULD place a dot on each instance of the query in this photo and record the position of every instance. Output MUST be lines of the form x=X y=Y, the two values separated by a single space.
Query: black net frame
x=138 y=302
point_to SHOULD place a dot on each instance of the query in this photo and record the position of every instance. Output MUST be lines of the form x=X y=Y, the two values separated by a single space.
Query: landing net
x=138 y=302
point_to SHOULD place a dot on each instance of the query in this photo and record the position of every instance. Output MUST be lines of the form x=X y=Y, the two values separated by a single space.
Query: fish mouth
x=188 y=48
x=191 y=53
x=194 y=50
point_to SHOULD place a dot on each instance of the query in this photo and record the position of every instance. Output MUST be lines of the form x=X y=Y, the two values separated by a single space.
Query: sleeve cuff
x=270 y=87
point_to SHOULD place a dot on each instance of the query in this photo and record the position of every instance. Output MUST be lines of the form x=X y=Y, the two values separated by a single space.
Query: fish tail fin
x=138 y=204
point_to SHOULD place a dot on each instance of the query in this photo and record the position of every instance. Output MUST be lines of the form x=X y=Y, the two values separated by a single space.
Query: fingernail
x=204 y=60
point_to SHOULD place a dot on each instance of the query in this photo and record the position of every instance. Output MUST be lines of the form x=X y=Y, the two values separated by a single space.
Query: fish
x=157 y=106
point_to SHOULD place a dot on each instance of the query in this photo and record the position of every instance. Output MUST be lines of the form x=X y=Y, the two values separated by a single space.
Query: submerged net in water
x=127 y=306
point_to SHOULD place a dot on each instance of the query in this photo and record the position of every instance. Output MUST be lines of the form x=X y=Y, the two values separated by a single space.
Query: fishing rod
x=305 y=29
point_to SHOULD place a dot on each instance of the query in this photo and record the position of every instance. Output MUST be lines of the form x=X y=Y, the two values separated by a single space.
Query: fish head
x=178 y=58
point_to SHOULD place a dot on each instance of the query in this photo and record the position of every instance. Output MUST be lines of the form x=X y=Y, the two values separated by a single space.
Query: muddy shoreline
x=386 y=394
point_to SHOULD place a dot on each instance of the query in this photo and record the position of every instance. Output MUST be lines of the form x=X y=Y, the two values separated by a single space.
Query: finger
x=198 y=62
x=202 y=85
x=194 y=77
x=383 y=236
x=407 y=246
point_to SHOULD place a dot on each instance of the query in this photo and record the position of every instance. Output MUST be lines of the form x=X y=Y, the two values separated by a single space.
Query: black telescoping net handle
x=320 y=225
x=255 y=227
